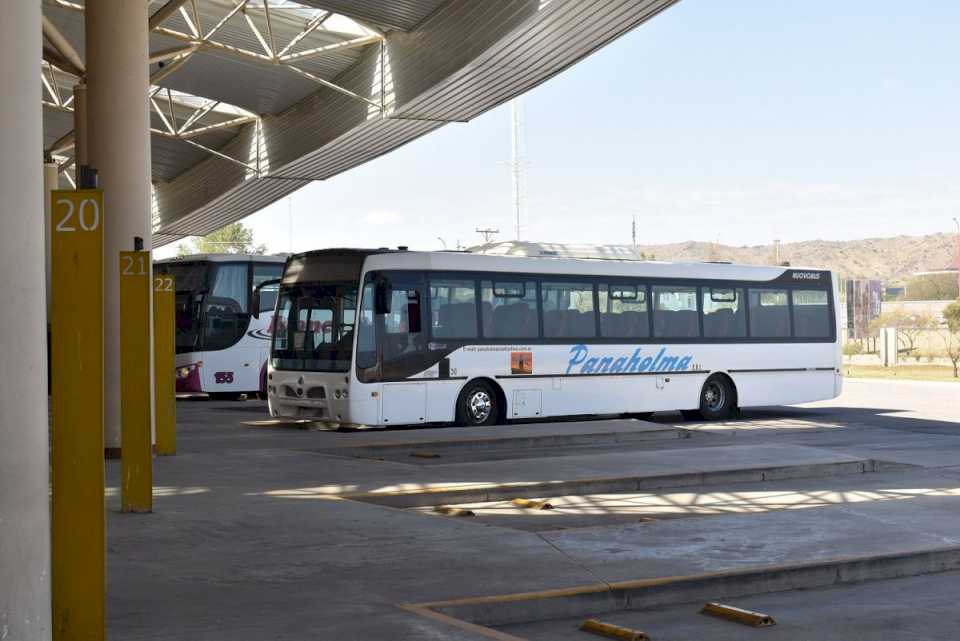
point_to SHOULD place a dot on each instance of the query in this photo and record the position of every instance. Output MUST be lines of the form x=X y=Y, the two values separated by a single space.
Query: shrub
x=852 y=348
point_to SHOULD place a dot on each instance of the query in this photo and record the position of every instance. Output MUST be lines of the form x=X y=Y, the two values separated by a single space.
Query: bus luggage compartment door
x=526 y=403
x=403 y=403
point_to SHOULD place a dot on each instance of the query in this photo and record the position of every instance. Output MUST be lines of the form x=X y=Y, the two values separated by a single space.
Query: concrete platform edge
x=596 y=599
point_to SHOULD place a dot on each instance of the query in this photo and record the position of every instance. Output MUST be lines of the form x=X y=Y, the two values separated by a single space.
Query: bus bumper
x=291 y=395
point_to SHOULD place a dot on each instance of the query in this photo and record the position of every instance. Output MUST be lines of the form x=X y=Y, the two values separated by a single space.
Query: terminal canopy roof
x=252 y=99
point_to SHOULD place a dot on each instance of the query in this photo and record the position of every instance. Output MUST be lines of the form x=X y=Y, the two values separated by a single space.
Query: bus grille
x=317 y=392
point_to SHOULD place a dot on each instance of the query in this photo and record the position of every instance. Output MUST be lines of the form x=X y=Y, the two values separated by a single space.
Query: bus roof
x=383 y=259
x=226 y=258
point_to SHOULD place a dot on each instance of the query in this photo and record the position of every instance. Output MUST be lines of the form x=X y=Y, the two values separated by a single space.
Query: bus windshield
x=314 y=327
x=211 y=304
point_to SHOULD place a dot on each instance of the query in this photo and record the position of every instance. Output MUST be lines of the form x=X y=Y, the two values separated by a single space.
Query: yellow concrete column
x=78 y=534
x=164 y=363
x=136 y=467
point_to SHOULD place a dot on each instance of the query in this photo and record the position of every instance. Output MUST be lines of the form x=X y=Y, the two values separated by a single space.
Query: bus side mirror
x=255 y=299
x=381 y=297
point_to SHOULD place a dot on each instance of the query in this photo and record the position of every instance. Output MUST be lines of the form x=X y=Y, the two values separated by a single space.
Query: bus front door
x=403 y=351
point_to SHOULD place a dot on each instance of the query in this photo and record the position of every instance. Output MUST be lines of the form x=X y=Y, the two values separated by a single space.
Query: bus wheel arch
x=475 y=389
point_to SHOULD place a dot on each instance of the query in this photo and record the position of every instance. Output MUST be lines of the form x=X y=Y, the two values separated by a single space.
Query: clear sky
x=740 y=120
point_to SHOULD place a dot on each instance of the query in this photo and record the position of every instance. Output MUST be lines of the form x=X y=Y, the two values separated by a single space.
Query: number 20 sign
x=77 y=211
x=76 y=238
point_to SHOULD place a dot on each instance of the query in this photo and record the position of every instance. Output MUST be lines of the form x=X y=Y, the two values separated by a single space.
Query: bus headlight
x=185 y=371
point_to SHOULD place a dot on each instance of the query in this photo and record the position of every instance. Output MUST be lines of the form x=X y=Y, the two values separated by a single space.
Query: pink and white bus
x=222 y=344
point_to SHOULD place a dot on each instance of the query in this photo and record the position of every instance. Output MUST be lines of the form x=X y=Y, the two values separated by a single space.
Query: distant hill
x=888 y=259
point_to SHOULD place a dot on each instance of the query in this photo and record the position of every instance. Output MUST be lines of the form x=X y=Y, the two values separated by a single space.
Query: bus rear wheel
x=717 y=399
x=477 y=405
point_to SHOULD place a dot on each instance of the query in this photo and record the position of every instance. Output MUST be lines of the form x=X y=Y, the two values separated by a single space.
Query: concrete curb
x=512 y=442
x=598 y=599
x=543 y=489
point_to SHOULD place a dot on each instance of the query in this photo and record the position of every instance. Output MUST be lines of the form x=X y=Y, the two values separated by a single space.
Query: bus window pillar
x=118 y=121
x=24 y=477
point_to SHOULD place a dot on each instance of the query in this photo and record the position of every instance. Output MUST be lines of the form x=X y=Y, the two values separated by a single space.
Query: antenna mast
x=487 y=233
x=516 y=163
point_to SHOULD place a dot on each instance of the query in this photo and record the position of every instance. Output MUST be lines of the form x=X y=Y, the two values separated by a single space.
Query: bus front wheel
x=717 y=399
x=477 y=405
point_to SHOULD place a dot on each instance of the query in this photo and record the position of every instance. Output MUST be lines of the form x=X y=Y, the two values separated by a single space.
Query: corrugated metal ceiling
x=439 y=61
x=401 y=15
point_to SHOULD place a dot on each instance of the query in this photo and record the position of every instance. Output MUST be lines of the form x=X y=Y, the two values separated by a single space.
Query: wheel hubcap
x=479 y=406
x=714 y=396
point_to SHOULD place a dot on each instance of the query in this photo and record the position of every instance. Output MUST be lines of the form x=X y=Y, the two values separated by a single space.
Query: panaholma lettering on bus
x=636 y=362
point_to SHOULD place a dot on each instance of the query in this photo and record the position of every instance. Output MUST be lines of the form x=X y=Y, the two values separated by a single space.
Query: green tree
x=909 y=326
x=952 y=315
x=934 y=286
x=235 y=238
x=951 y=335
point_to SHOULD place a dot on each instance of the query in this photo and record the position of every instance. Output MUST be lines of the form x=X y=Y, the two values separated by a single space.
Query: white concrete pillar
x=119 y=149
x=24 y=460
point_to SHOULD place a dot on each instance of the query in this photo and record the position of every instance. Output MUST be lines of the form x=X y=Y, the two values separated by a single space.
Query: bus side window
x=623 y=311
x=453 y=305
x=724 y=315
x=509 y=309
x=403 y=329
x=811 y=313
x=675 y=312
x=366 y=337
x=263 y=272
x=568 y=310
x=769 y=313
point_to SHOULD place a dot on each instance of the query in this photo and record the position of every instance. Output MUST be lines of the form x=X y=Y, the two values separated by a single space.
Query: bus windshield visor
x=314 y=326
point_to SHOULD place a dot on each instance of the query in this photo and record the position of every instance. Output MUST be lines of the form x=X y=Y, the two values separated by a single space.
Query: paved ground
x=255 y=534
x=913 y=609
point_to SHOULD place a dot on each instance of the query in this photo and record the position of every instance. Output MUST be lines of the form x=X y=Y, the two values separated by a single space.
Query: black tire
x=477 y=405
x=717 y=399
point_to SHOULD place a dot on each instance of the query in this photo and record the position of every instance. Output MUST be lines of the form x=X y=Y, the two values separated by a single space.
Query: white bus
x=221 y=344
x=386 y=337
